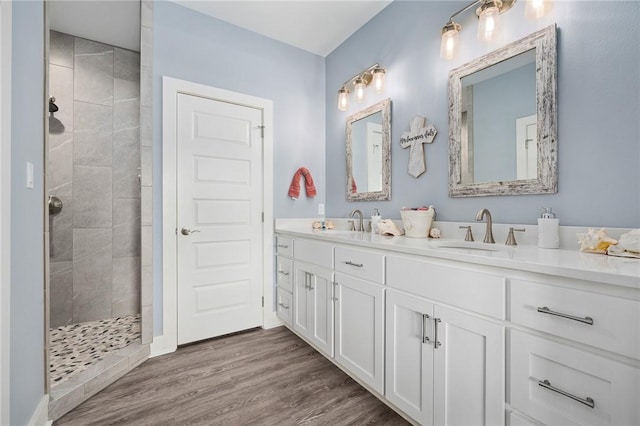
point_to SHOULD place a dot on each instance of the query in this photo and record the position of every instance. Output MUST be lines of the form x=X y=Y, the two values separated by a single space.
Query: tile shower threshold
x=69 y=394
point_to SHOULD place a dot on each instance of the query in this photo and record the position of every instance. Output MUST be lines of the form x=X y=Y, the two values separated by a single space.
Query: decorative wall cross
x=418 y=134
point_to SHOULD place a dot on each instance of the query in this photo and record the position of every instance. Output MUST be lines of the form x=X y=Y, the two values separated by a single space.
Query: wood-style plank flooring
x=261 y=377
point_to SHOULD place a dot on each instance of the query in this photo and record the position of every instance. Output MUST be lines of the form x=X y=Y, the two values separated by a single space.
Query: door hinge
x=263 y=301
x=262 y=217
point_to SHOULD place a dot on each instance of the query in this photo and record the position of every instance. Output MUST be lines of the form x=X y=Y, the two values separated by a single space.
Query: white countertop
x=560 y=262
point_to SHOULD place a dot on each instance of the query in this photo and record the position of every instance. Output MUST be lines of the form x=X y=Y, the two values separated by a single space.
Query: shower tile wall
x=94 y=160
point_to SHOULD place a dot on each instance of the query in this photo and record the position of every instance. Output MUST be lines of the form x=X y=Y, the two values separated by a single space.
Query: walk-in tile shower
x=93 y=169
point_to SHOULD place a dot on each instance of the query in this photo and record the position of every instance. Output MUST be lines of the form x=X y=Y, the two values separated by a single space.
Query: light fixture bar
x=366 y=75
x=360 y=81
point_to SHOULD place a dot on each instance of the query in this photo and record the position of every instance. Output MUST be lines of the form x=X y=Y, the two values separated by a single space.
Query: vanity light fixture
x=488 y=12
x=375 y=73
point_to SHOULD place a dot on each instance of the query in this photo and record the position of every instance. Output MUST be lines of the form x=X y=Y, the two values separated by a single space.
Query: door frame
x=167 y=340
x=5 y=201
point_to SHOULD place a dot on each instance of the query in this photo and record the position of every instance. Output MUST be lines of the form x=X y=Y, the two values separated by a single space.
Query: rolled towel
x=294 y=188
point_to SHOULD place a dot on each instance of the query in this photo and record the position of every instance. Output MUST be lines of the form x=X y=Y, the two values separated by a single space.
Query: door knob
x=187 y=231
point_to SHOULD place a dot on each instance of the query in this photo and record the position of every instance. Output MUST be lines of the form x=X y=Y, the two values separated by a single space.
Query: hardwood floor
x=261 y=377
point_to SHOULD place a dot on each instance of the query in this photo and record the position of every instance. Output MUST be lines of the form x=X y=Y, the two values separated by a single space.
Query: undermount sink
x=469 y=245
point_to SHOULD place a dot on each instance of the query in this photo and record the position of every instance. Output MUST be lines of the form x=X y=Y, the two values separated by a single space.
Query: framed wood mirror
x=503 y=120
x=368 y=148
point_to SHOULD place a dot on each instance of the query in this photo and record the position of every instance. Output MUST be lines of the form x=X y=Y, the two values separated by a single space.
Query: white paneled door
x=219 y=217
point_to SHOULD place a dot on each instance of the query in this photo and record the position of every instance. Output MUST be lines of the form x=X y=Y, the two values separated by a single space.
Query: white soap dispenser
x=375 y=219
x=548 y=230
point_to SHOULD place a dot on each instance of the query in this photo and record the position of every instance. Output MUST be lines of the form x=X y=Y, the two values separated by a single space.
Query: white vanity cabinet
x=522 y=337
x=444 y=365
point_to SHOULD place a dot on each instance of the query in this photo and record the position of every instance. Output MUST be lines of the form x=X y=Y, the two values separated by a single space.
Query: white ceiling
x=318 y=26
x=115 y=22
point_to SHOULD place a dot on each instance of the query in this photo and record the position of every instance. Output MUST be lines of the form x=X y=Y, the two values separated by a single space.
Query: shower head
x=52 y=106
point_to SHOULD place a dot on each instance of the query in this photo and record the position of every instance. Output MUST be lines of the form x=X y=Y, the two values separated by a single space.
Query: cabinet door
x=359 y=307
x=313 y=305
x=409 y=356
x=300 y=296
x=468 y=369
x=320 y=308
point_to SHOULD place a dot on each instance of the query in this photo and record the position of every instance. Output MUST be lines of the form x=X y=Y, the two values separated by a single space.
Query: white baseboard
x=161 y=345
x=271 y=320
x=40 y=416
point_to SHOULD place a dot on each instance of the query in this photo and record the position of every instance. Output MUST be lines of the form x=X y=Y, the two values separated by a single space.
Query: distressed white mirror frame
x=544 y=43
x=385 y=194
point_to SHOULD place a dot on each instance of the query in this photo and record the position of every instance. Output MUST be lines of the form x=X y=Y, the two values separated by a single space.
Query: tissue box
x=417 y=223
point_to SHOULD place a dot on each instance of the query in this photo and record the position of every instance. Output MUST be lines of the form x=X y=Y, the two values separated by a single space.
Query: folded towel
x=294 y=188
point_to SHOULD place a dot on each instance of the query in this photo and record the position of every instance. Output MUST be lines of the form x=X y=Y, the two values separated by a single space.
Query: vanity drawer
x=606 y=322
x=360 y=263
x=284 y=273
x=471 y=290
x=320 y=254
x=285 y=306
x=573 y=377
x=284 y=246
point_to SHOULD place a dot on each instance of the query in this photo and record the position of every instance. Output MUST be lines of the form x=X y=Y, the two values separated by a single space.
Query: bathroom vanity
x=452 y=333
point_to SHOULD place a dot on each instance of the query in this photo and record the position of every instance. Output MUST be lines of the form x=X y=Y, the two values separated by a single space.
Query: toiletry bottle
x=375 y=218
x=548 y=230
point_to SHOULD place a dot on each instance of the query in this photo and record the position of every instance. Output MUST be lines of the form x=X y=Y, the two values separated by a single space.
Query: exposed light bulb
x=489 y=24
x=537 y=8
x=360 y=85
x=450 y=41
x=378 y=80
x=343 y=99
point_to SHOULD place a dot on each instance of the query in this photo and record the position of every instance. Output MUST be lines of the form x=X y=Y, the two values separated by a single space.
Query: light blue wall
x=598 y=102
x=27 y=211
x=191 y=46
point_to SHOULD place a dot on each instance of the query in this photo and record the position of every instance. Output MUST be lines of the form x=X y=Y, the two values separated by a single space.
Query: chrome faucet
x=488 y=236
x=360 y=226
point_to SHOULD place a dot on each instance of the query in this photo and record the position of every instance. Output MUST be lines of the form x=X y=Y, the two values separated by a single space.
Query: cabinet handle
x=425 y=338
x=283 y=246
x=435 y=333
x=283 y=273
x=283 y=306
x=357 y=265
x=589 y=402
x=585 y=320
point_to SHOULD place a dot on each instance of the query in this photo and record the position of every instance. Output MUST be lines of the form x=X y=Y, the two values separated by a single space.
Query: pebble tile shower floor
x=73 y=348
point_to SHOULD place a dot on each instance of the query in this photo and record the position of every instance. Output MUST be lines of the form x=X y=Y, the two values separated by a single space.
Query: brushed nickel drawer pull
x=282 y=246
x=585 y=320
x=283 y=273
x=589 y=402
x=283 y=306
x=425 y=338
x=357 y=265
x=436 y=344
